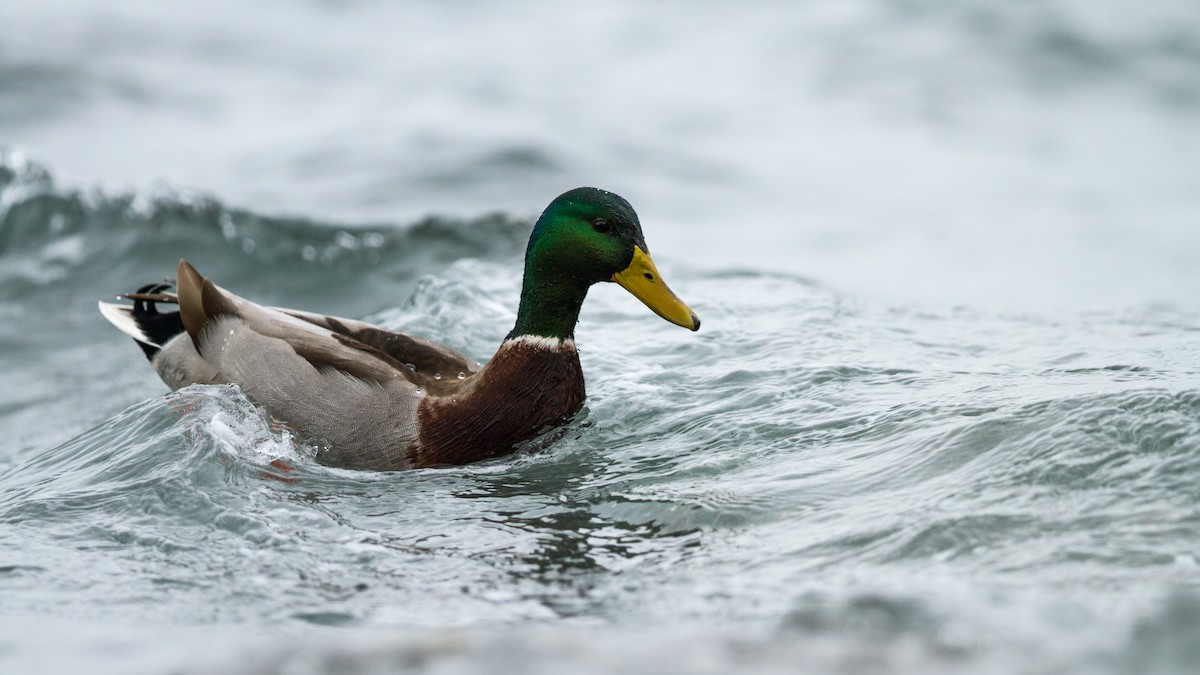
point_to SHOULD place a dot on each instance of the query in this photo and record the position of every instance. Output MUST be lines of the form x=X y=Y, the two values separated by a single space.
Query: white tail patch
x=121 y=316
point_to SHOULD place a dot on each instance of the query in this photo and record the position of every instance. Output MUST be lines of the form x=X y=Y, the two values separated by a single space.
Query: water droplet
x=228 y=229
x=247 y=246
x=410 y=367
x=462 y=376
x=58 y=223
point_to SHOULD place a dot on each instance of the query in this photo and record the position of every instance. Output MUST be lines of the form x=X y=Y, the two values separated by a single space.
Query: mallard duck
x=374 y=399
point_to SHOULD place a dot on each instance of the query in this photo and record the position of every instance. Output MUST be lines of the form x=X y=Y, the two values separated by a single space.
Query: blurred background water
x=943 y=415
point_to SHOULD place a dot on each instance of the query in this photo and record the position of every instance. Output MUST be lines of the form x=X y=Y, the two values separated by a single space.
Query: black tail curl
x=158 y=327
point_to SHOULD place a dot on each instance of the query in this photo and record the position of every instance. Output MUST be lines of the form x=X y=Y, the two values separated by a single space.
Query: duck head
x=587 y=236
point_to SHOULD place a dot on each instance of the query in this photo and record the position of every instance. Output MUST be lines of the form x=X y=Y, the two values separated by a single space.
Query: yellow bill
x=642 y=279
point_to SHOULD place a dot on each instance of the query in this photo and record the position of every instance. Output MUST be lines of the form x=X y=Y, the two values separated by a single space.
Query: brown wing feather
x=426 y=357
x=356 y=348
x=201 y=301
x=189 y=285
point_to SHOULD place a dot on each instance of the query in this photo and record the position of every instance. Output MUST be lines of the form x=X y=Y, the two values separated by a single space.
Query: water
x=943 y=414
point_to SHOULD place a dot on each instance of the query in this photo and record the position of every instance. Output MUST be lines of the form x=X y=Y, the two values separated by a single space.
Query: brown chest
x=529 y=386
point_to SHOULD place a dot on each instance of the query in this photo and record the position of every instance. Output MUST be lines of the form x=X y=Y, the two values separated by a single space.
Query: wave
x=50 y=236
x=941 y=486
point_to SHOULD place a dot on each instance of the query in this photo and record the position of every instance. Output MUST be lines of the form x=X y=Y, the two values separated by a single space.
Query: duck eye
x=601 y=225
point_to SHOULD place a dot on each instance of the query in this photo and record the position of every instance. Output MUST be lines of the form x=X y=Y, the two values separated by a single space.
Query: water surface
x=943 y=414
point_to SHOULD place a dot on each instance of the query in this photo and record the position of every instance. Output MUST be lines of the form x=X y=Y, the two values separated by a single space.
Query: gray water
x=943 y=414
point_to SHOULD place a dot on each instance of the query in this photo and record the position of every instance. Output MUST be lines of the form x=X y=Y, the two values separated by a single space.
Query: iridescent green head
x=583 y=237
